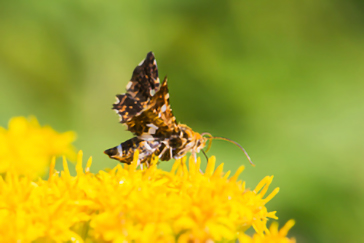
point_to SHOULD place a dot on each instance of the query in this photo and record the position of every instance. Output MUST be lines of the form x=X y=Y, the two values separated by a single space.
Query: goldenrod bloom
x=128 y=204
x=27 y=148
x=272 y=236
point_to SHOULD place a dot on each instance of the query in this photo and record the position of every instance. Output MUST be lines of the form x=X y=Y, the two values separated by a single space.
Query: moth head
x=207 y=137
x=191 y=141
x=200 y=142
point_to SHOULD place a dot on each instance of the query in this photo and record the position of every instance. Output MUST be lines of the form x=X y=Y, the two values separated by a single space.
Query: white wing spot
x=129 y=85
x=167 y=96
x=152 y=125
x=164 y=108
x=153 y=128
x=120 y=150
x=147 y=146
x=117 y=100
x=141 y=63
x=146 y=137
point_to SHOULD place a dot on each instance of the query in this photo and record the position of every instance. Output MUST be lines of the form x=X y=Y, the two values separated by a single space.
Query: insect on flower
x=146 y=111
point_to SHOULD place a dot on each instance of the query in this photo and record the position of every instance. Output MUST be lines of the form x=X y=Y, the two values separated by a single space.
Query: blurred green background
x=283 y=78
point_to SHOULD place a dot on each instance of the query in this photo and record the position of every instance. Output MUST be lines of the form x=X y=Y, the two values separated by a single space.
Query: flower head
x=127 y=204
x=141 y=205
x=27 y=148
x=183 y=204
x=273 y=235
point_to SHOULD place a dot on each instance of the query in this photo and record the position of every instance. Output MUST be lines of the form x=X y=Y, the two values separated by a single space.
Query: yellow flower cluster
x=126 y=204
x=27 y=148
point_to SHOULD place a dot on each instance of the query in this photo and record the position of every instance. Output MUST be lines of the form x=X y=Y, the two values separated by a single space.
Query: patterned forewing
x=159 y=104
x=144 y=82
x=143 y=85
x=149 y=126
x=126 y=107
x=156 y=121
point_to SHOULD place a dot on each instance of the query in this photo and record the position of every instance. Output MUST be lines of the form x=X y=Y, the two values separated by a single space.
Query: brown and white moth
x=146 y=111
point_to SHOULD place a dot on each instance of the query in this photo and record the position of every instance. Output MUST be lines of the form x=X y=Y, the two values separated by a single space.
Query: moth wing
x=144 y=82
x=143 y=85
x=126 y=107
x=124 y=152
x=147 y=125
x=160 y=105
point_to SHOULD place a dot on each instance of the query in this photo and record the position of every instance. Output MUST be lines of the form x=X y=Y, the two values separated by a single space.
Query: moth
x=146 y=112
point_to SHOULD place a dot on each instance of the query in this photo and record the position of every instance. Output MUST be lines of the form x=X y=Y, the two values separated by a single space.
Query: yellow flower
x=184 y=204
x=124 y=204
x=27 y=148
x=127 y=204
x=272 y=236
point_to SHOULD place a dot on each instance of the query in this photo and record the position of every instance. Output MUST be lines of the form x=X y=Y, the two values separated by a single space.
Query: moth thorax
x=176 y=142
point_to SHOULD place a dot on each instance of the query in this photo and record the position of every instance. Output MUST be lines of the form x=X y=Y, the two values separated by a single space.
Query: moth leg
x=170 y=152
x=194 y=156
x=147 y=162
x=163 y=151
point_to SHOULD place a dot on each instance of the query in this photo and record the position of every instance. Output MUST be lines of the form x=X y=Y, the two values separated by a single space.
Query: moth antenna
x=210 y=142
x=229 y=140
x=207 y=158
